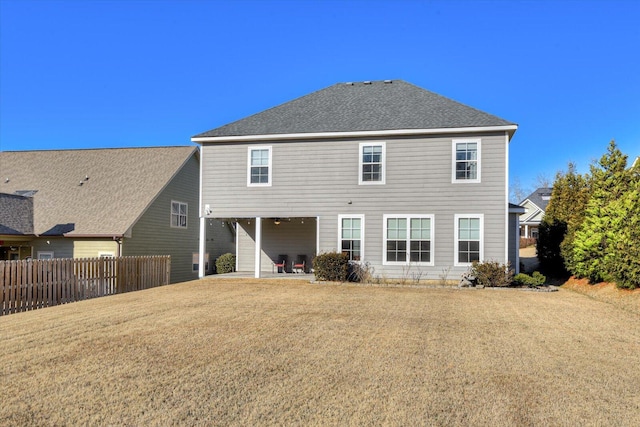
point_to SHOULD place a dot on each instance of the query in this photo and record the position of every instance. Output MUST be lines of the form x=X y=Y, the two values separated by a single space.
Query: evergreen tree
x=589 y=254
x=563 y=215
x=623 y=264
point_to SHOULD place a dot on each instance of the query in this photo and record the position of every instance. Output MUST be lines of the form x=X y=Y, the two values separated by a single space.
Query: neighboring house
x=16 y=221
x=386 y=172
x=106 y=202
x=534 y=205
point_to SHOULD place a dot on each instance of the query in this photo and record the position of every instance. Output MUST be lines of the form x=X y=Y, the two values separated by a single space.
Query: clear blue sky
x=85 y=74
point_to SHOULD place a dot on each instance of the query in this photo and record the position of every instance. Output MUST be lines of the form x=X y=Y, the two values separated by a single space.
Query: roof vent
x=25 y=193
x=388 y=81
x=6 y=180
x=368 y=82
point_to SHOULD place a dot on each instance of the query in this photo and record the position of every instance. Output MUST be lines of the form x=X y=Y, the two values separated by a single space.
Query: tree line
x=591 y=228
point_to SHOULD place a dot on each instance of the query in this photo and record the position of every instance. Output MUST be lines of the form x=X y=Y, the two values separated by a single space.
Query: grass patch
x=606 y=292
x=247 y=352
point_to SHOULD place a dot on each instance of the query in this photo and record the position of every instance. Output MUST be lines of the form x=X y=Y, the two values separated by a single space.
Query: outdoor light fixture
x=277 y=221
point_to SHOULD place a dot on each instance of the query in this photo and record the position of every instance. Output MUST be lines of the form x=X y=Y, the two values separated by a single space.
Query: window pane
x=259 y=157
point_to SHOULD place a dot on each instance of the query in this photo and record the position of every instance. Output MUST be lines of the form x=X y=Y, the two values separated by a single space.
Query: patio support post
x=317 y=235
x=201 y=247
x=258 y=262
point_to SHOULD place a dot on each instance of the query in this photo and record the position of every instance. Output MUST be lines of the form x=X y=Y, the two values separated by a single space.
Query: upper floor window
x=466 y=160
x=259 y=172
x=469 y=241
x=178 y=214
x=408 y=239
x=371 y=165
x=350 y=239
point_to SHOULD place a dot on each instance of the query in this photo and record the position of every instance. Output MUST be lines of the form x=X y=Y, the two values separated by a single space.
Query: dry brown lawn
x=247 y=352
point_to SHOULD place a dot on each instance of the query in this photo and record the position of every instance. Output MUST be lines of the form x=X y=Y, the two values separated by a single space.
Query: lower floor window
x=408 y=238
x=351 y=236
x=45 y=255
x=195 y=260
x=468 y=238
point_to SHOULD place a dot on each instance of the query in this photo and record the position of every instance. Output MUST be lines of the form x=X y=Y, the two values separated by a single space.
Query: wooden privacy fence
x=32 y=284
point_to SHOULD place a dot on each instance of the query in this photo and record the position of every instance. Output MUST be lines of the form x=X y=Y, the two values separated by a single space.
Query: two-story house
x=535 y=204
x=384 y=171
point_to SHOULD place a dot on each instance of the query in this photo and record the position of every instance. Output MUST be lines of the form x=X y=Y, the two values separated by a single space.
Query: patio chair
x=300 y=265
x=280 y=265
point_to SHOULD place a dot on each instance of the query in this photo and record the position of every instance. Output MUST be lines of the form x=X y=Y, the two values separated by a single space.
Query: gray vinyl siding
x=220 y=240
x=153 y=235
x=514 y=236
x=61 y=247
x=319 y=178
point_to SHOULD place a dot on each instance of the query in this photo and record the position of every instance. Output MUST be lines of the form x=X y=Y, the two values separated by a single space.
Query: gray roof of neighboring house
x=540 y=197
x=366 y=106
x=16 y=214
x=90 y=192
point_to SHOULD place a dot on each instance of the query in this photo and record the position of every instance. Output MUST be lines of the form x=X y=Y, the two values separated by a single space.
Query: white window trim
x=453 y=160
x=361 y=217
x=384 y=163
x=186 y=215
x=49 y=254
x=270 y=174
x=456 y=263
x=408 y=217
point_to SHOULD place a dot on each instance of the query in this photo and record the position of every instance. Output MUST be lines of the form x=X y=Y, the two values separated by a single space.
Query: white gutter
x=365 y=134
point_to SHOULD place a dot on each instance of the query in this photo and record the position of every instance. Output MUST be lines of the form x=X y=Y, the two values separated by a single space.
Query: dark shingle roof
x=16 y=214
x=540 y=197
x=368 y=106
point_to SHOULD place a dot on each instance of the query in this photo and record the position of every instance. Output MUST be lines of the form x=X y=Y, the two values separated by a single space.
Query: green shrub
x=226 y=263
x=539 y=278
x=331 y=266
x=492 y=273
x=536 y=279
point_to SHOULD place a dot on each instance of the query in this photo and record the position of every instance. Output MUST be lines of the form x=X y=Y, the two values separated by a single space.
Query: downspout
x=118 y=240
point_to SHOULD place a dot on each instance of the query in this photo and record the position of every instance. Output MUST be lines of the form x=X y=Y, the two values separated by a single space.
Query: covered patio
x=274 y=245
